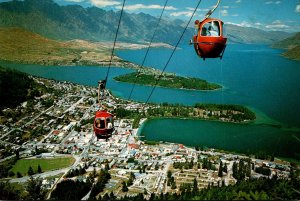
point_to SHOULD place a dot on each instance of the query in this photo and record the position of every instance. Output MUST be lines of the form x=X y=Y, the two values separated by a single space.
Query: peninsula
x=167 y=80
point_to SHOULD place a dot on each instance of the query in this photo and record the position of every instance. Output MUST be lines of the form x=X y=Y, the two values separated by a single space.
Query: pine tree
x=223 y=183
x=220 y=173
x=173 y=185
x=30 y=171
x=234 y=170
x=169 y=174
x=39 y=170
x=19 y=175
x=195 y=186
x=112 y=196
x=17 y=154
x=124 y=187
x=34 y=189
x=225 y=168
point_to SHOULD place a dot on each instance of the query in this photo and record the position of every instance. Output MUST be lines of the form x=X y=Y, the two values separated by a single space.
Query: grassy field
x=22 y=165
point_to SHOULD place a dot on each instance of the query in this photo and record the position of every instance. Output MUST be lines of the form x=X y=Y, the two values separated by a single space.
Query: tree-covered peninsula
x=167 y=80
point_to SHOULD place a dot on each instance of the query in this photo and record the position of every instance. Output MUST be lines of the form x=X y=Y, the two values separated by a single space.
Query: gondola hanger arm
x=208 y=14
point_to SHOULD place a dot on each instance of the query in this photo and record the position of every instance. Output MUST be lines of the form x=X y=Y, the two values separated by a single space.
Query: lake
x=252 y=75
x=248 y=138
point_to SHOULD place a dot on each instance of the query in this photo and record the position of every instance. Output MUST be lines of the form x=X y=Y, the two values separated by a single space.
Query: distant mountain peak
x=93 y=23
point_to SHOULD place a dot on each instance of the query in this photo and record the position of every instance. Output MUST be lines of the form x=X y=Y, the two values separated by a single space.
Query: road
x=42 y=175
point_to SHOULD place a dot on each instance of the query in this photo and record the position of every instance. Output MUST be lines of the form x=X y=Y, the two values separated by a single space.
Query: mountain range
x=51 y=20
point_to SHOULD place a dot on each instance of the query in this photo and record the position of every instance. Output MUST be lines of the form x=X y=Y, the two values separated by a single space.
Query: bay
x=243 y=138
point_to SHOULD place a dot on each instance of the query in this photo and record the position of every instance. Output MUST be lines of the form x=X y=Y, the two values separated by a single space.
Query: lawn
x=22 y=165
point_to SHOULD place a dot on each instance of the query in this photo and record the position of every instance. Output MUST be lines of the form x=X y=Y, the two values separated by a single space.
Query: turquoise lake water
x=252 y=75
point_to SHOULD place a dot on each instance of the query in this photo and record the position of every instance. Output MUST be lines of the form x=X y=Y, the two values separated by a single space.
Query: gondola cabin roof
x=103 y=114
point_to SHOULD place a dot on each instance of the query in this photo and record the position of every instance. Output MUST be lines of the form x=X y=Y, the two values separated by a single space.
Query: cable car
x=103 y=124
x=209 y=41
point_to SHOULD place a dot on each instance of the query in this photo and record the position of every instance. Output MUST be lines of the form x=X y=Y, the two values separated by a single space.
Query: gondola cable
x=146 y=54
x=103 y=122
x=102 y=83
x=156 y=82
x=116 y=36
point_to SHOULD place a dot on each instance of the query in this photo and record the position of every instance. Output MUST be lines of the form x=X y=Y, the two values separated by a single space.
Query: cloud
x=224 y=12
x=242 y=24
x=235 y=15
x=272 y=2
x=185 y=13
x=247 y=24
x=276 y=22
x=199 y=9
x=277 y=25
x=190 y=8
x=238 y=1
x=297 y=10
x=104 y=3
x=226 y=7
x=76 y=1
x=142 y=6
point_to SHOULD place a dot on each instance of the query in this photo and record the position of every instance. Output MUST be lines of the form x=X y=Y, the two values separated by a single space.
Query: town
x=59 y=125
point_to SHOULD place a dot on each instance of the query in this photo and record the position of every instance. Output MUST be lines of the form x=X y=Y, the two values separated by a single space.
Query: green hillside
x=292 y=45
x=16 y=87
x=21 y=46
x=293 y=53
x=289 y=42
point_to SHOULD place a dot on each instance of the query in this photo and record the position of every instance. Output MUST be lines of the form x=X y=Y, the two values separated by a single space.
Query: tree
x=39 y=170
x=9 y=192
x=19 y=174
x=36 y=150
x=225 y=168
x=30 y=171
x=34 y=189
x=106 y=197
x=112 y=196
x=234 y=170
x=169 y=174
x=220 y=173
x=11 y=174
x=223 y=183
x=124 y=187
x=71 y=190
x=195 y=186
x=17 y=154
x=131 y=179
x=173 y=184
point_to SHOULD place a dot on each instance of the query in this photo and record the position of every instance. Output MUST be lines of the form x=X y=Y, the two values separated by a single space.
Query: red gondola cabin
x=209 y=41
x=103 y=124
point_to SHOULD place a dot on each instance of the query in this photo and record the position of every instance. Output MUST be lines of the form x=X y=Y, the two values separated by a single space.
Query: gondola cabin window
x=211 y=28
x=100 y=123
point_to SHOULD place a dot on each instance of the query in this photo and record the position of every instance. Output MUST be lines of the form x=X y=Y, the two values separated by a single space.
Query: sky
x=275 y=15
